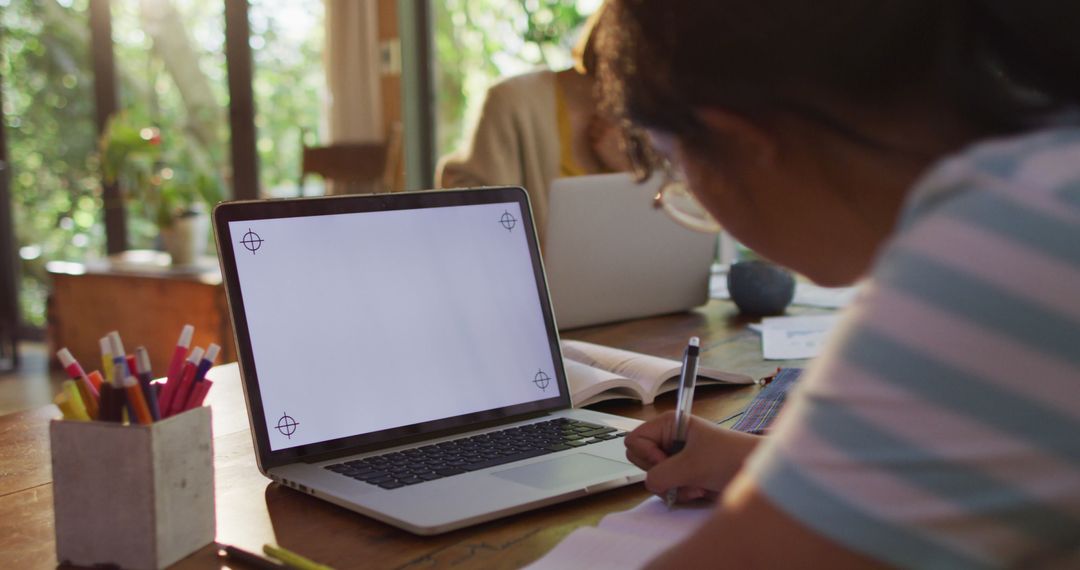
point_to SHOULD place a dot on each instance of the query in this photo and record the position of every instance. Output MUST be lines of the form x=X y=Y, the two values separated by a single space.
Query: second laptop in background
x=610 y=256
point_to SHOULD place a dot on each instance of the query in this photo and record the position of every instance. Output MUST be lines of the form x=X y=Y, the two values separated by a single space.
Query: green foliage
x=164 y=180
x=287 y=41
x=49 y=119
x=478 y=42
x=49 y=112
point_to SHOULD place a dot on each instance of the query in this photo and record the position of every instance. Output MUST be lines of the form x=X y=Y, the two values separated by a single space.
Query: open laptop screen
x=363 y=322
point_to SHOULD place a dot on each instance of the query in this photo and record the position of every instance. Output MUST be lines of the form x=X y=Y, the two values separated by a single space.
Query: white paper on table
x=793 y=338
x=625 y=540
x=810 y=295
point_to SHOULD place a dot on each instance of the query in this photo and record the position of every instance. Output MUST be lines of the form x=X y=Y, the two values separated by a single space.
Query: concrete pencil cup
x=139 y=497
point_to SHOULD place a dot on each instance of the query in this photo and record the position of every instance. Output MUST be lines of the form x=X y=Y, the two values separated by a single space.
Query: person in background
x=537 y=127
x=932 y=146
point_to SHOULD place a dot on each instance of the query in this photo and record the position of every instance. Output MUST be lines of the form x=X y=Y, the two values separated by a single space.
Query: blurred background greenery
x=181 y=92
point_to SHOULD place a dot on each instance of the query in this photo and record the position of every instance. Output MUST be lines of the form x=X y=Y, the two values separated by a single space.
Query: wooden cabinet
x=144 y=298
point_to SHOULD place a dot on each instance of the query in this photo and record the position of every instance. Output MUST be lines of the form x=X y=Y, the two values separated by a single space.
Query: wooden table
x=144 y=297
x=252 y=511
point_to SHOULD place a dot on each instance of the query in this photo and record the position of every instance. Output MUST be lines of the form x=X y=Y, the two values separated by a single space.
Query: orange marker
x=138 y=403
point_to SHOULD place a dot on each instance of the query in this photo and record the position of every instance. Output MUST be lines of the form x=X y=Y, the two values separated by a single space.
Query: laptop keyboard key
x=391 y=484
x=448 y=471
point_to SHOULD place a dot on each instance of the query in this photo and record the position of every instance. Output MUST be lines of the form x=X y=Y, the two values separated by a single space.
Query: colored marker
x=178 y=397
x=95 y=378
x=142 y=369
x=120 y=373
x=198 y=394
x=207 y=361
x=136 y=402
x=106 y=358
x=293 y=559
x=86 y=388
x=180 y=352
x=70 y=402
x=110 y=404
x=132 y=369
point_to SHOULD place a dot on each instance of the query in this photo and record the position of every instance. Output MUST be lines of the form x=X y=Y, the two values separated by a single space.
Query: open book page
x=653 y=374
x=629 y=539
x=589 y=385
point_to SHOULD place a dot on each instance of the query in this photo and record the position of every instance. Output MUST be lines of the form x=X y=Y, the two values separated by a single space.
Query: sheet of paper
x=625 y=540
x=810 y=295
x=794 y=338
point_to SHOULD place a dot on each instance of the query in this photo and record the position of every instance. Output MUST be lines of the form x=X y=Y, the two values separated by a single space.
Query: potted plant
x=170 y=185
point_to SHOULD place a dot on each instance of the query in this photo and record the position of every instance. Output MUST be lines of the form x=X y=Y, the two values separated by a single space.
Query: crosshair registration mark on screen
x=542 y=380
x=251 y=241
x=286 y=425
x=508 y=221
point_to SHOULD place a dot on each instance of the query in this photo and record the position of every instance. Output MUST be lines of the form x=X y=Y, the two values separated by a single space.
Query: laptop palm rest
x=563 y=471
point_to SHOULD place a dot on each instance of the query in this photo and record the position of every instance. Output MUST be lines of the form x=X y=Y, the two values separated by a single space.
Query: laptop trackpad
x=564 y=471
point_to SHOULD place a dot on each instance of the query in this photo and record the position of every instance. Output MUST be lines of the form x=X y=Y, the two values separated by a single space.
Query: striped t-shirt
x=941 y=429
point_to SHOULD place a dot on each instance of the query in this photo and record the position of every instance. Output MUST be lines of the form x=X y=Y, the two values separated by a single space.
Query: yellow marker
x=107 y=359
x=293 y=559
x=70 y=402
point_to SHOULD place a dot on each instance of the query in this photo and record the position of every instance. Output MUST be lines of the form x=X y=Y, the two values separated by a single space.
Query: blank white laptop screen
x=369 y=321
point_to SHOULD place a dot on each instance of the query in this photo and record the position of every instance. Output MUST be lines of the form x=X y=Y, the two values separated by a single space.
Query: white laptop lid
x=363 y=320
x=611 y=256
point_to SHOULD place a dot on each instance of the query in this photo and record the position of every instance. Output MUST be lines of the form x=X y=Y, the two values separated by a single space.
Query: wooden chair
x=355 y=168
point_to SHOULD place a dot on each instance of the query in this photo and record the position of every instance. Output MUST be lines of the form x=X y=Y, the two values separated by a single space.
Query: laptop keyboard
x=449 y=458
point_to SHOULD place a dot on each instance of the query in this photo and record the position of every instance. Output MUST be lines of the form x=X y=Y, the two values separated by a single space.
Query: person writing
x=537 y=127
x=932 y=147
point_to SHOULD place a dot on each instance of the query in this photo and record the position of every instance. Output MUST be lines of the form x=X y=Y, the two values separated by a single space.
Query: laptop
x=611 y=256
x=400 y=359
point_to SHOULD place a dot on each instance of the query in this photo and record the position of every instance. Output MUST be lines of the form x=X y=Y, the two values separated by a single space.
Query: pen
x=247 y=558
x=687 y=381
x=292 y=559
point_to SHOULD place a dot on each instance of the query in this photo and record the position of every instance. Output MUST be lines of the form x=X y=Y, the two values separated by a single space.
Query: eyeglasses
x=674 y=196
x=678 y=202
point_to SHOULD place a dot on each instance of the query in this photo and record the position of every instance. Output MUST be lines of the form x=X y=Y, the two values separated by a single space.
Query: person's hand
x=703 y=468
x=606 y=139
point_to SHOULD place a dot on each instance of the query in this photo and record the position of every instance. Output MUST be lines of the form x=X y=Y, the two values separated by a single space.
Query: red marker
x=172 y=377
x=178 y=398
x=182 y=345
x=198 y=394
x=87 y=390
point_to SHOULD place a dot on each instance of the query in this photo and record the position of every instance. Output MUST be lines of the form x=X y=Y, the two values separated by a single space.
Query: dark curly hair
x=1002 y=65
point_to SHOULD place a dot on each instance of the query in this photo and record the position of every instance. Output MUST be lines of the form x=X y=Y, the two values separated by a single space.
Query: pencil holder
x=133 y=496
